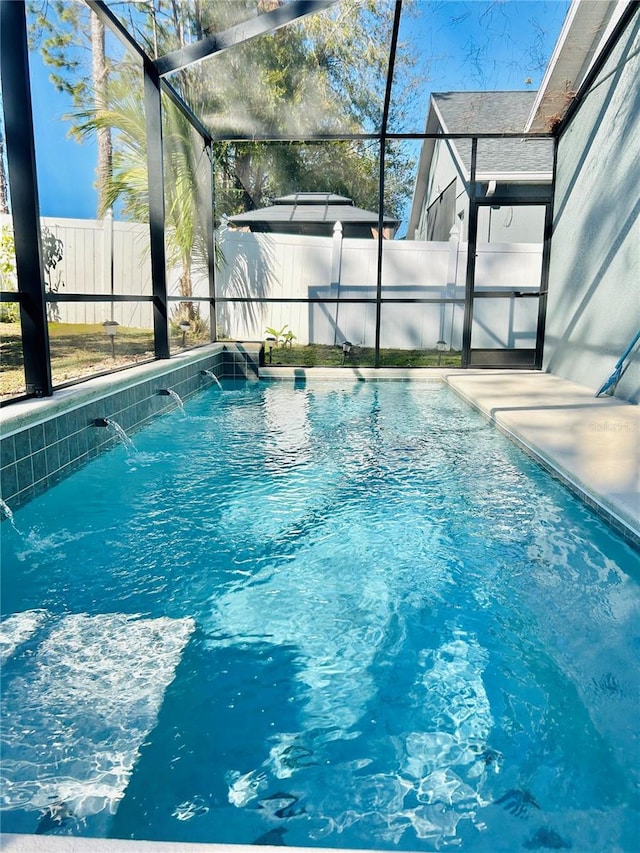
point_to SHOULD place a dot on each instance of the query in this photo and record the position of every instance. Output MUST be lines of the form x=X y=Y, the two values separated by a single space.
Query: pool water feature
x=119 y=432
x=6 y=512
x=169 y=392
x=351 y=615
x=212 y=376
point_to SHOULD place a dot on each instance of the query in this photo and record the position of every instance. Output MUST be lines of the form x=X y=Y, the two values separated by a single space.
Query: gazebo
x=314 y=214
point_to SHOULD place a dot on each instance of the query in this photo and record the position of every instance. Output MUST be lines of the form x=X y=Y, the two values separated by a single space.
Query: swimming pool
x=336 y=615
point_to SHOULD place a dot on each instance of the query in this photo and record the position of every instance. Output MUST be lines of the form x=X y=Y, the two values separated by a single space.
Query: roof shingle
x=494 y=112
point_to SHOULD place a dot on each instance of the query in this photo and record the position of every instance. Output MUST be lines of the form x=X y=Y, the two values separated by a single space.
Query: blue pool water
x=334 y=615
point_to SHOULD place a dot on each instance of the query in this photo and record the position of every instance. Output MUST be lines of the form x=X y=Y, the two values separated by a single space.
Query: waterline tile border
x=43 y=441
x=357 y=374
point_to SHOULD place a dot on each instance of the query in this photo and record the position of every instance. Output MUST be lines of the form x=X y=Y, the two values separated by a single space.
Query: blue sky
x=490 y=45
x=471 y=45
x=66 y=169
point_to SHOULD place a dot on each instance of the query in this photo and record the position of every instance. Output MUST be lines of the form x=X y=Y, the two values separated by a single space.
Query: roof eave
x=515 y=177
x=581 y=38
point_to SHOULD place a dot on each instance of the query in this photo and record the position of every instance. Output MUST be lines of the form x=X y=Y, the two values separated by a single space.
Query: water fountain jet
x=5 y=510
x=169 y=392
x=109 y=423
x=211 y=375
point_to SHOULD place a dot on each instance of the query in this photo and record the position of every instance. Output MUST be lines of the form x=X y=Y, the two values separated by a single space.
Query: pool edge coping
x=626 y=527
x=24 y=843
x=24 y=414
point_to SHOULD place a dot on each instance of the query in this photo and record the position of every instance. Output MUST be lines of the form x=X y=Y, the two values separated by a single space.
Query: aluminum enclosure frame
x=31 y=295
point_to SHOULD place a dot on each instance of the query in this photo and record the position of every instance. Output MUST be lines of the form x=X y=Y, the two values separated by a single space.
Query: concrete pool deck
x=592 y=444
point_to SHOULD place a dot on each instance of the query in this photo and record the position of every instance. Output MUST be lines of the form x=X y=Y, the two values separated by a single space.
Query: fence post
x=336 y=254
x=446 y=328
x=336 y=264
x=107 y=257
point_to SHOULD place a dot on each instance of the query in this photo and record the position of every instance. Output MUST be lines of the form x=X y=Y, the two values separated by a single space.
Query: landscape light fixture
x=110 y=328
x=347 y=346
x=270 y=342
x=441 y=346
x=184 y=325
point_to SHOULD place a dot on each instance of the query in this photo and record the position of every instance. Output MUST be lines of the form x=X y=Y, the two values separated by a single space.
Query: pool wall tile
x=22 y=445
x=9 y=479
x=50 y=432
x=49 y=447
x=39 y=463
x=83 y=445
x=25 y=473
x=36 y=436
x=7 y=452
x=53 y=458
x=64 y=451
x=74 y=448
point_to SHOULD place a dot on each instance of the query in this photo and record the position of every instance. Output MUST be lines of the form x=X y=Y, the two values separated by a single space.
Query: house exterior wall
x=511 y=224
x=443 y=172
x=594 y=279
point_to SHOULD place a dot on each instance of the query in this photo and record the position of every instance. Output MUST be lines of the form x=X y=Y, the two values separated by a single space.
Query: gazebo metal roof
x=313 y=213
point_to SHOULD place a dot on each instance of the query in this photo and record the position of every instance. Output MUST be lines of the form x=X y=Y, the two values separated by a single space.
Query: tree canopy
x=323 y=74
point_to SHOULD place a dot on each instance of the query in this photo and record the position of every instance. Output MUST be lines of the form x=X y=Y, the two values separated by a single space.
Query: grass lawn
x=79 y=350
x=320 y=355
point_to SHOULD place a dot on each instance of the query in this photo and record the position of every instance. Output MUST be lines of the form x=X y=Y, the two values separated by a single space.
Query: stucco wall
x=511 y=224
x=442 y=172
x=594 y=287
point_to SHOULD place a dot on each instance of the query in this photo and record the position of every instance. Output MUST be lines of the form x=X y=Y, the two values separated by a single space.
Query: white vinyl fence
x=102 y=257
x=107 y=256
x=289 y=266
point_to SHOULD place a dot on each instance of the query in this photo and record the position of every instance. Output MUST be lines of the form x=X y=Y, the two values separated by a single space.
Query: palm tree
x=185 y=165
